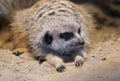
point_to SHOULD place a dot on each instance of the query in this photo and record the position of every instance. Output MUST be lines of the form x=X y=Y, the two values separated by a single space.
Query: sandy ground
x=103 y=65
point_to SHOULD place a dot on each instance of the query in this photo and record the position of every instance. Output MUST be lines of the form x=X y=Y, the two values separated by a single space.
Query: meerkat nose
x=82 y=43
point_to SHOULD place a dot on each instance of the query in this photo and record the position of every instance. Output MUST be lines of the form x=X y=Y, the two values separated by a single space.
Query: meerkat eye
x=66 y=36
x=48 y=38
x=79 y=30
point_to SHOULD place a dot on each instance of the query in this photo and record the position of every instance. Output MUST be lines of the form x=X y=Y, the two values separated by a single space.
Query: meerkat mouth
x=76 y=46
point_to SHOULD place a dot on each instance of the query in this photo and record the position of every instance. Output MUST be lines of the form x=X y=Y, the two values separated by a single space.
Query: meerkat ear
x=48 y=38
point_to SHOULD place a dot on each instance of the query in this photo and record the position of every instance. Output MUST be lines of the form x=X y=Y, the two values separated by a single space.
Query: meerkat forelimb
x=56 y=61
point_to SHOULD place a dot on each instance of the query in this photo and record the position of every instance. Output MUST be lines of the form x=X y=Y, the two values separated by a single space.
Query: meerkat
x=50 y=30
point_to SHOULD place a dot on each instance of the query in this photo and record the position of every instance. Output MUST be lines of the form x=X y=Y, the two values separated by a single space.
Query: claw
x=79 y=63
x=61 y=68
x=18 y=53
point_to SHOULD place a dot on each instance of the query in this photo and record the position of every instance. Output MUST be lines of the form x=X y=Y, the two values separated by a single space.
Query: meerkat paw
x=60 y=68
x=79 y=61
x=20 y=51
x=55 y=61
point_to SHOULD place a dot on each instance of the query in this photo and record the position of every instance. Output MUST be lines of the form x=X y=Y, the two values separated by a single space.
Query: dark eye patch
x=48 y=38
x=66 y=36
x=79 y=30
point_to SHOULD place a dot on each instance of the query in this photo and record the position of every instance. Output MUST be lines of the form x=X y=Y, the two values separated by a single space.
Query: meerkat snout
x=80 y=43
x=79 y=39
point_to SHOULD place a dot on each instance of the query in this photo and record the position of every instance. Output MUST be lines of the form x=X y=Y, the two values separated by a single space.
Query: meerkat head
x=63 y=39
